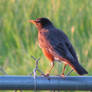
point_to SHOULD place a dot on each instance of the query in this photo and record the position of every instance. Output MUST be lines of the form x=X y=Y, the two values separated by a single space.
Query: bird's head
x=41 y=22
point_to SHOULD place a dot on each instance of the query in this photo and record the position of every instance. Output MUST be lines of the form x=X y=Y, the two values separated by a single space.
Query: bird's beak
x=32 y=21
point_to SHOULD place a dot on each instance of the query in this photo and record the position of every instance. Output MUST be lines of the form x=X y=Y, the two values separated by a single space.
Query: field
x=18 y=38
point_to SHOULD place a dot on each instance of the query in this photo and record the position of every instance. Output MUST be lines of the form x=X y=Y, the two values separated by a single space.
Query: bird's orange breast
x=47 y=54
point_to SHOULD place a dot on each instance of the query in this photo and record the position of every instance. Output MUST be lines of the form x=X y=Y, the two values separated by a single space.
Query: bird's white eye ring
x=37 y=21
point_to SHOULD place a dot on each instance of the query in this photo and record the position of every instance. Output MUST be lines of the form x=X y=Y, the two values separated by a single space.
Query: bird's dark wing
x=61 y=50
x=71 y=49
x=63 y=46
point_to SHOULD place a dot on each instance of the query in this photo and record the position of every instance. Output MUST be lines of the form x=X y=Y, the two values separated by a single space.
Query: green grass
x=18 y=38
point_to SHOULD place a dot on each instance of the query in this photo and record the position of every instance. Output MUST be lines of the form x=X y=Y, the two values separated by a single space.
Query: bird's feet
x=62 y=75
x=46 y=75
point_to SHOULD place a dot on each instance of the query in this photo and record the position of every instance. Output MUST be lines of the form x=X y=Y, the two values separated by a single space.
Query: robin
x=56 y=46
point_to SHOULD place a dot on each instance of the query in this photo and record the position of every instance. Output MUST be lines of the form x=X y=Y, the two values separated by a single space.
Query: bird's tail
x=79 y=69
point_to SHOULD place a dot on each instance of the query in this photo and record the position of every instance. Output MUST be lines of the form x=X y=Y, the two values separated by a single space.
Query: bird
x=56 y=46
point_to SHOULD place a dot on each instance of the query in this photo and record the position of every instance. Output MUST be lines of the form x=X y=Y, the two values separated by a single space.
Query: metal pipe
x=45 y=83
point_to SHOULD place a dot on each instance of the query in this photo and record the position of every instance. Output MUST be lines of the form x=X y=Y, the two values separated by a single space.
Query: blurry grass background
x=18 y=38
